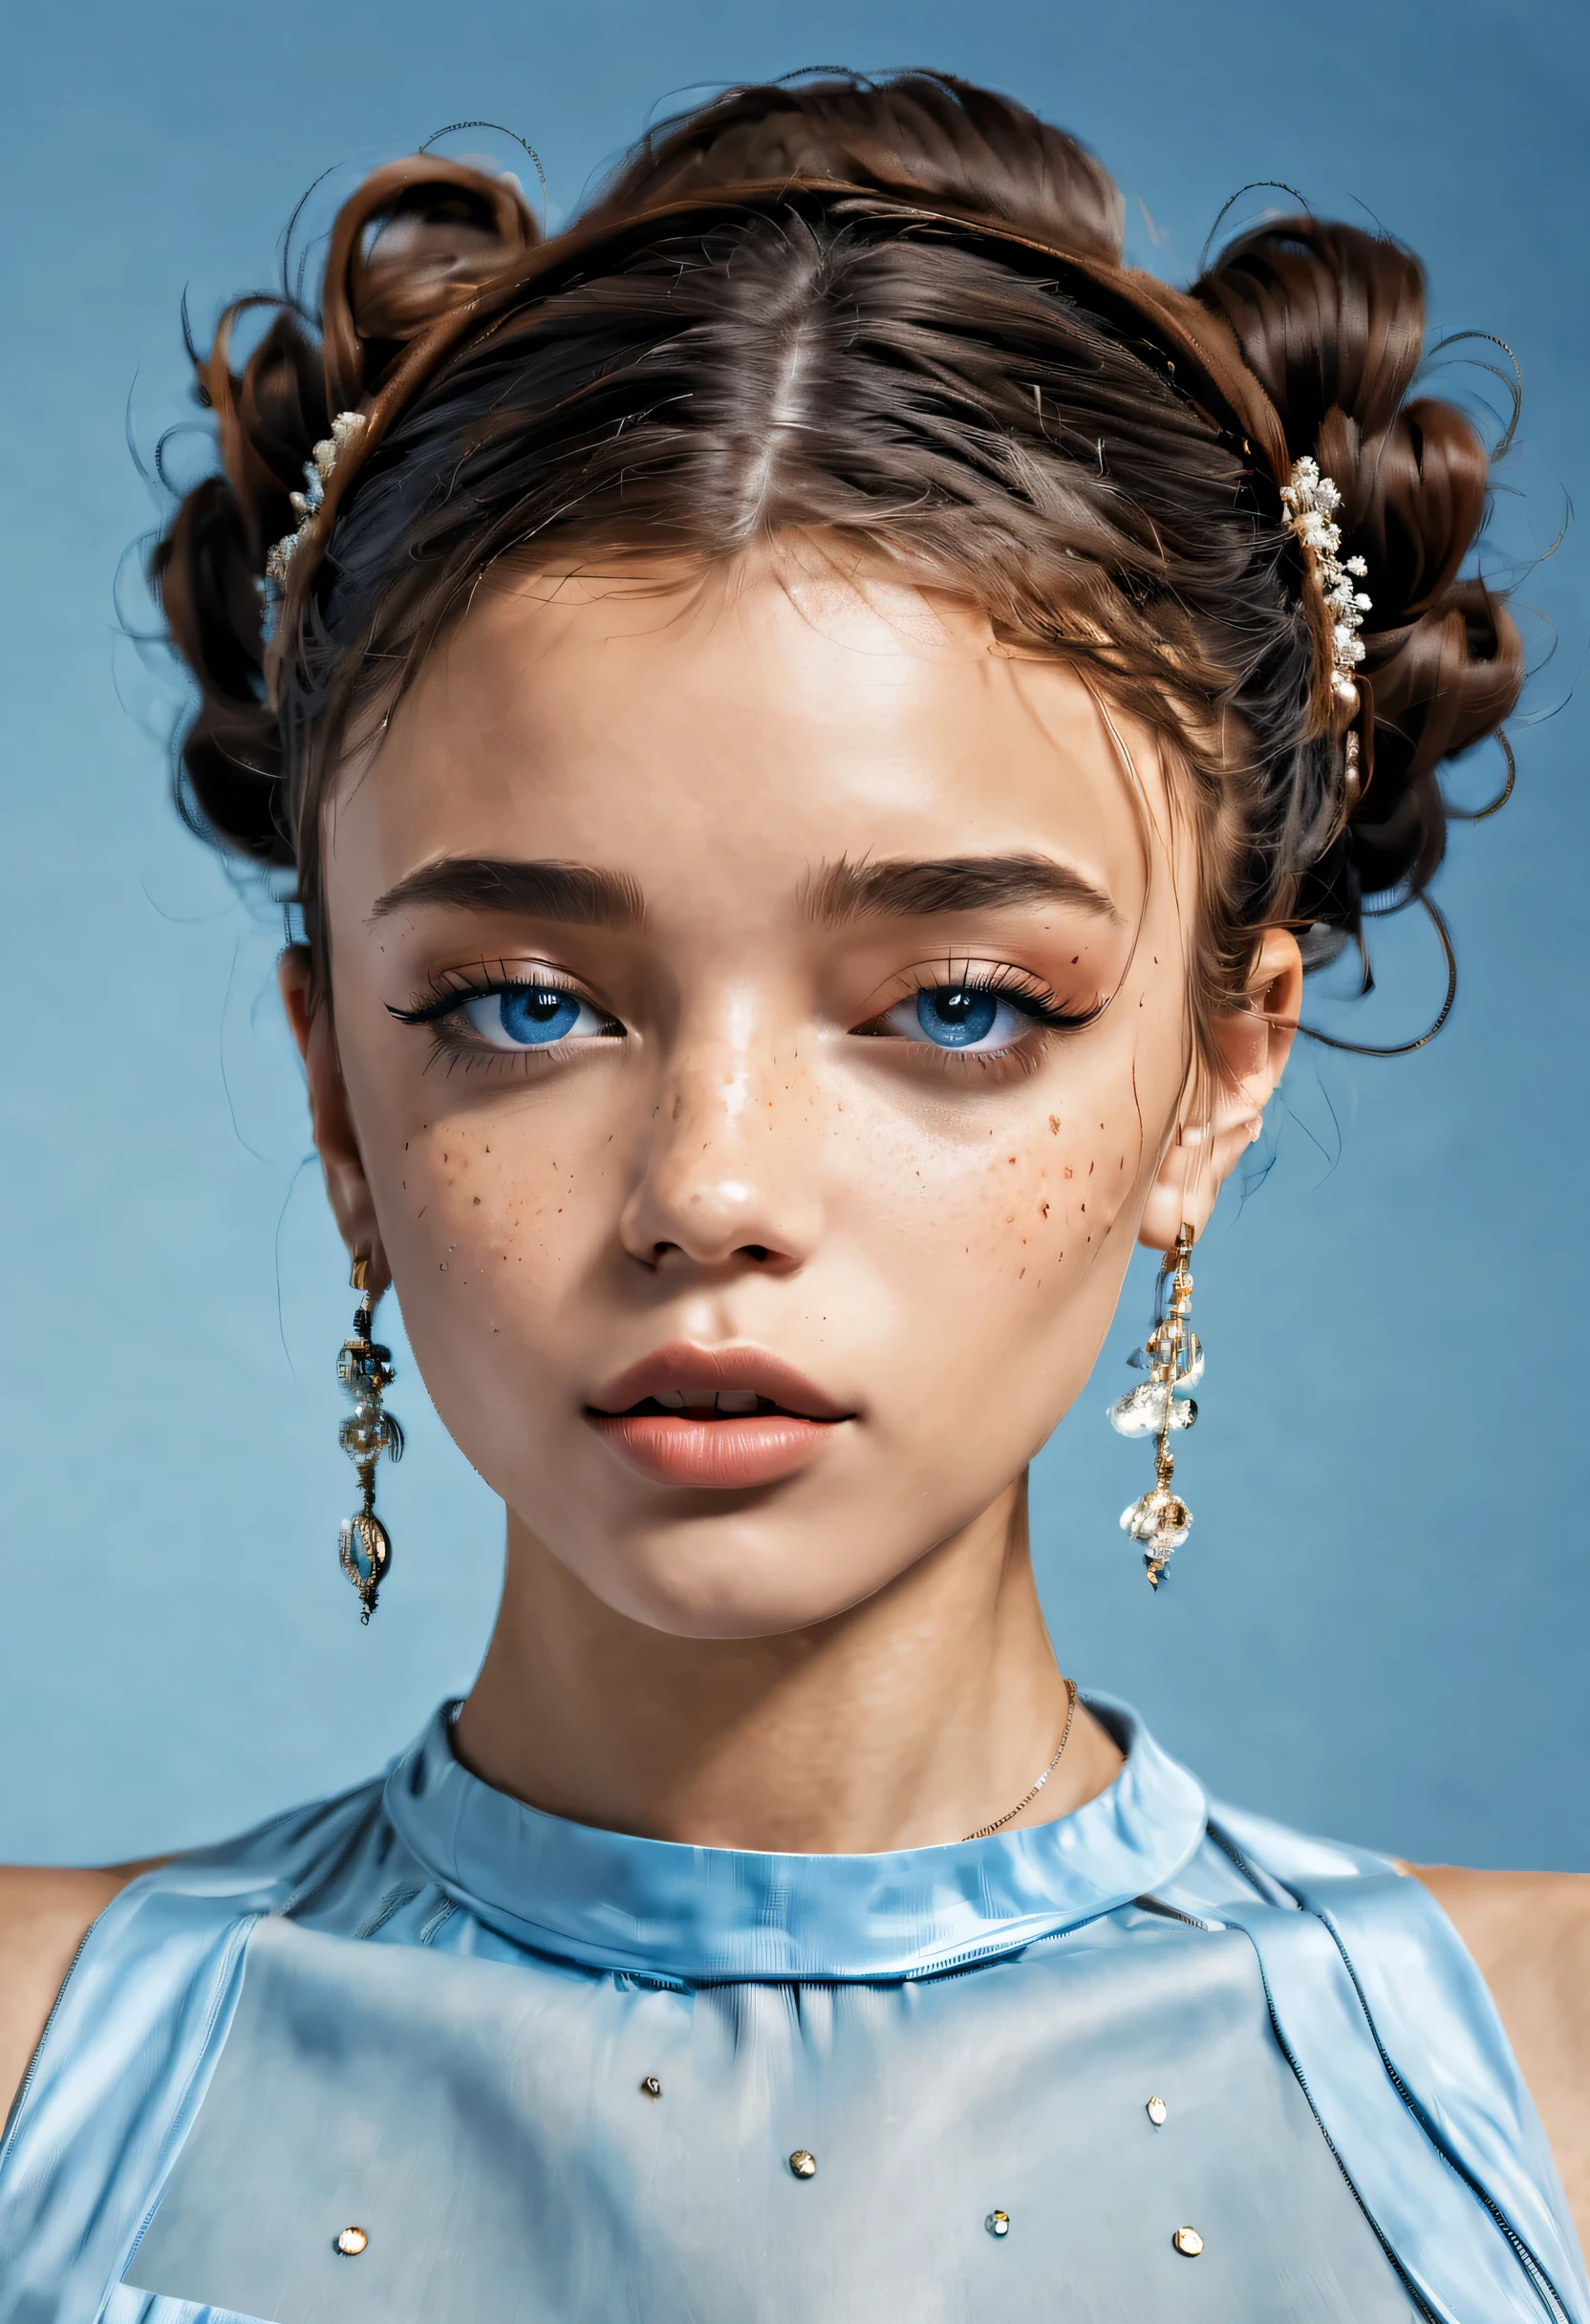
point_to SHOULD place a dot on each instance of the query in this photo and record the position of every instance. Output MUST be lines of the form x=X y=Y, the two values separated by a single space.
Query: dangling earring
x=364 y=1368
x=1174 y=1362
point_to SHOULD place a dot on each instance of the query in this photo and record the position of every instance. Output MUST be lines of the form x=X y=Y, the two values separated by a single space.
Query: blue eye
x=955 y=1018
x=960 y=1017
x=531 y=1016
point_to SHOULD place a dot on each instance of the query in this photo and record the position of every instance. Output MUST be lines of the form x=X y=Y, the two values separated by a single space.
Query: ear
x=336 y=1142
x=1226 y=1100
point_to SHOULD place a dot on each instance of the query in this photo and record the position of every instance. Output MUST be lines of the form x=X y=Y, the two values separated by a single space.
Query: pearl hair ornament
x=1311 y=502
x=305 y=505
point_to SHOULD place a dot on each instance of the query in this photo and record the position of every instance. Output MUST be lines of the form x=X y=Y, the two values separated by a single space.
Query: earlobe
x=1252 y=1046
x=330 y=1117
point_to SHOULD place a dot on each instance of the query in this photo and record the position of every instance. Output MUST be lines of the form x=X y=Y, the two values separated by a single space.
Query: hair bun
x=1331 y=319
x=927 y=136
x=419 y=238
x=416 y=239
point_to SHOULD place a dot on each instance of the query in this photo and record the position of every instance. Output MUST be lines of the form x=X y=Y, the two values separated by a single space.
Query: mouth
x=725 y=1418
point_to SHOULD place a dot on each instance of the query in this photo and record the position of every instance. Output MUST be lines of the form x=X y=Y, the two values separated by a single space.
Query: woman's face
x=760 y=1003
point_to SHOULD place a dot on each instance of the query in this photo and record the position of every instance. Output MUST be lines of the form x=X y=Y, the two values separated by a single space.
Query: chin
x=717 y=1578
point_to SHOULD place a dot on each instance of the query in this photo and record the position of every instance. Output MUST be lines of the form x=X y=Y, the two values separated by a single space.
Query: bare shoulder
x=44 y=1917
x=1529 y=1934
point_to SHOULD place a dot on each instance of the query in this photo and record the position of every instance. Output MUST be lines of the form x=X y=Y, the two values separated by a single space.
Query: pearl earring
x=364 y=1368
x=1174 y=1362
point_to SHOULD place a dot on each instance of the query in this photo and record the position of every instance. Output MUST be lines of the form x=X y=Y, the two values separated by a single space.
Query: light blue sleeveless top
x=1153 y=2060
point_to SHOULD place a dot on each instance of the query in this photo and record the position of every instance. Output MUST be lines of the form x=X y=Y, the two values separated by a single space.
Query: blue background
x=1379 y=1625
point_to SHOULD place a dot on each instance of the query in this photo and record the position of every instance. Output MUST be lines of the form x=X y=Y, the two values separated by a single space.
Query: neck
x=914 y=1719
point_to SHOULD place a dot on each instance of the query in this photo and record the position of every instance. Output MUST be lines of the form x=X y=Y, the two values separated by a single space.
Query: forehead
x=735 y=727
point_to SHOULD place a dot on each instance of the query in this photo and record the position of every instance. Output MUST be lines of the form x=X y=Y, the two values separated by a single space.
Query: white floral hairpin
x=305 y=505
x=1311 y=502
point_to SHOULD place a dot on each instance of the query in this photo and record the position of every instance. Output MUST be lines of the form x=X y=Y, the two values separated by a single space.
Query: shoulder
x=116 y=1993
x=52 y=1919
x=1470 y=1985
x=44 y=1917
x=1529 y=1935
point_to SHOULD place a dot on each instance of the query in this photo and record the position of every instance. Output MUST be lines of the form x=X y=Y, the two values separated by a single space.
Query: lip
x=684 y=1368
x=724 y=1453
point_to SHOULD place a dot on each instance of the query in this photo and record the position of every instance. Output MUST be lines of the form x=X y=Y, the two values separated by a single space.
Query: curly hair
x=897 y=315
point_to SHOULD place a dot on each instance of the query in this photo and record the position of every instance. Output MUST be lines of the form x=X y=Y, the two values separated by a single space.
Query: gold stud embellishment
x=1188 y=2242
x=804 y=2163
x=650 y=2087
x=997 y=2223
x=351 y=2242
x=1156 y=2111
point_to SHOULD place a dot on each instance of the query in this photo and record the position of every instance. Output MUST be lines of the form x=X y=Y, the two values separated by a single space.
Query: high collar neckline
x=684 y=1915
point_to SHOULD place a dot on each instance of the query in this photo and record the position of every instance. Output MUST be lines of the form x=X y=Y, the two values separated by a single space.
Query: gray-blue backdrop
x=1379 y=1626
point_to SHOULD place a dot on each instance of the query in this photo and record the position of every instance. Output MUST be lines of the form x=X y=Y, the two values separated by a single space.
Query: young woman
x=818 y=721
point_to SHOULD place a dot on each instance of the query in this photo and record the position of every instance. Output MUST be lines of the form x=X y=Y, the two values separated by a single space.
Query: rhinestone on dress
x=351 y=2242
x=650 y=2087
x=804 y=2163
x=1156 y=2111
x=997 y=2223
x=1188 y=2242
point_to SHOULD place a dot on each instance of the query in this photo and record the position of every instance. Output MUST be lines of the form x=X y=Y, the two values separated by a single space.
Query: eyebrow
x=908 y=890
x=583 y=895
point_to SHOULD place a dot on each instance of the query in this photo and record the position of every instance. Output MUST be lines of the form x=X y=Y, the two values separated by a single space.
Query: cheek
x=982 y=1277
x=1016 y=1237
x=997 y=1245
x=490 y=1221
x=1026 y=1191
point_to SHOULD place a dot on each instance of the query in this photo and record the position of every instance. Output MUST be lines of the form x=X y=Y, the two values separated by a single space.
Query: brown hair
x=895 y=314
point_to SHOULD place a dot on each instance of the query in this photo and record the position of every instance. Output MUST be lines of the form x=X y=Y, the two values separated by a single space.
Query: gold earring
x=1174 y=1362
x=364 y=1368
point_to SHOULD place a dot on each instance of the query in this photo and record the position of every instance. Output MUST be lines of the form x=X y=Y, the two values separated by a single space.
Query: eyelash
x=1016 y=985
x=455 y=987
x=448 y=994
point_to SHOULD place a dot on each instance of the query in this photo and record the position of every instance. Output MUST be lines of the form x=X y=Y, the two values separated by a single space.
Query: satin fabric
x=249 y=2031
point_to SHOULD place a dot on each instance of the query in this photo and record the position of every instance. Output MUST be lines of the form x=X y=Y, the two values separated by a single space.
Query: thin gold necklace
x=986 y=1831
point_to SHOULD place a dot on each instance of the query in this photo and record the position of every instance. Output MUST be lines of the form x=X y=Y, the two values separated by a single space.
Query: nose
x=728 y=1176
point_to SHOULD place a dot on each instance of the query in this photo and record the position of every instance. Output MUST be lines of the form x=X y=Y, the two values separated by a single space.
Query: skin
x=751 y=1144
